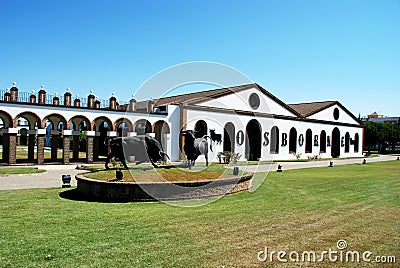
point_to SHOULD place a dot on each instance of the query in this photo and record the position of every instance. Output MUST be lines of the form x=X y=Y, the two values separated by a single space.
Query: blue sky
x=300 y=51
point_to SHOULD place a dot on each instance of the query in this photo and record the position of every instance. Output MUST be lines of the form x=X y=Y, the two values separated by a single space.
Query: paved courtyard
x=49 y=179
x=52 y=177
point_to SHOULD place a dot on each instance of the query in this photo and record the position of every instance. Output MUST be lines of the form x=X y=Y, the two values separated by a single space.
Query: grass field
x=149 y=174
x=16 y=170
x=22 y=153
x=302 y=210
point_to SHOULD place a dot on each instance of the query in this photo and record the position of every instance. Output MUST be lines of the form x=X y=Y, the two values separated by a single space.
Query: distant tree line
x=383 y=137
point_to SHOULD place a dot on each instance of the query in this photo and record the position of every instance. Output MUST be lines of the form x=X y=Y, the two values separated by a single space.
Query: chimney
x=14 y=92
x=91 y=100
x=42 y=95
x=132 y=104
x=97 y=103
x=7 y=95
x=32 y=98
x=67 y=98
x=113 y=102
x=56 y=99
x=77 y=101
x=150 y=107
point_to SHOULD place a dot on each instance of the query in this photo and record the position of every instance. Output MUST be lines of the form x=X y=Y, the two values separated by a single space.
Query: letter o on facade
x=301 y=140
x=240 y=137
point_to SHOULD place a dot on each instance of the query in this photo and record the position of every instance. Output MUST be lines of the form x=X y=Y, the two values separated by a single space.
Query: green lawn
x=22 y=153
x=16 y=170
x=146 y=173
x=307 y=209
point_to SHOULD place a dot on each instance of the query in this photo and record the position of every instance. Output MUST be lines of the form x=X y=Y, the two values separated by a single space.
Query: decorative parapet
x=42 y=98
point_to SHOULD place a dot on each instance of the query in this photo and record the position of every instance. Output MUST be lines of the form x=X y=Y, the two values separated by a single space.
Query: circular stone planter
x=153 y=191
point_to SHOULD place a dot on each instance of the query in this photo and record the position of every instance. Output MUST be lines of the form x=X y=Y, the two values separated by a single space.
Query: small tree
x=381 y=134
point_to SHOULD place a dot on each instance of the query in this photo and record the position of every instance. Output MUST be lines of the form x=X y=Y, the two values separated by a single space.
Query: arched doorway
x=1 y=139
x=122 y=126
x=78 y=124
x=102 y=130
x=55 y=124
x=229 y=137
x=322 y=138
x=122 y=130
x=253 y=140
x=308 y=141
x=200 y=129
x=335 y=143
x=274 y=149
x=356 y=143
x=142 y=126
x=101 y=125
x=5 y=123
x=161 y=130
x=293 y=140
x=30 y=121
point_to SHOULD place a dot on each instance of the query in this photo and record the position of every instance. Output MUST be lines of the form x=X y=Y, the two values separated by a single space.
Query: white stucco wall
x=239 y=101
x=173 y=120
x=217 y=121
x=327 y=115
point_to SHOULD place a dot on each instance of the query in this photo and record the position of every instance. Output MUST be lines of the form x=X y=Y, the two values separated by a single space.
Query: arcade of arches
x=28 y=138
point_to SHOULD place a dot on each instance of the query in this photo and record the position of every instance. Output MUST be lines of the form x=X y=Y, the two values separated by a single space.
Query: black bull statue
x=144 y=149
x=194 y=147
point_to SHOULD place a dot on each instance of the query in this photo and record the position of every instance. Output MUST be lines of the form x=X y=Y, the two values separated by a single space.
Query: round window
x=254 y=101
x=336 y=113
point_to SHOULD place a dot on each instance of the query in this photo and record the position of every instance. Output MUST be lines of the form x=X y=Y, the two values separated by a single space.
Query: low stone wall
x=153 y=191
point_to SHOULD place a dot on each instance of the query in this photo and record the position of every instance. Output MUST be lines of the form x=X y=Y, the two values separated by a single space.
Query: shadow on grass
x=75 y=195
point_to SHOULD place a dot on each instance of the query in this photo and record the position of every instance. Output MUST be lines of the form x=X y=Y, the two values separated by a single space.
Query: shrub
x=228 y=157
x=297 y=155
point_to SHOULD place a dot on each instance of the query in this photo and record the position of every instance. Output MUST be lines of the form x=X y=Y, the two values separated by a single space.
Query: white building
x=257 y=125
x=246 y=119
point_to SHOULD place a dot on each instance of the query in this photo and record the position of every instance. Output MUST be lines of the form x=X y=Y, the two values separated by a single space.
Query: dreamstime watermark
x=339 y=254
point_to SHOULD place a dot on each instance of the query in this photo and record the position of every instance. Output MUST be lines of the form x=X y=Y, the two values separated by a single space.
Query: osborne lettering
x=284 y=139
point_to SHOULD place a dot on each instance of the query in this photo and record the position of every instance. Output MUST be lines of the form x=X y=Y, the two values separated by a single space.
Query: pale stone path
x=311 y=164
x=49 y=179
x=52 y=177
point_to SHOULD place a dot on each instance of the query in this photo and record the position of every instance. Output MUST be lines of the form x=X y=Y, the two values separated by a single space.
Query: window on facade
x=229 y=137
x=336 y=114
x=254 y=101
x=356 y=143
x=274 y=149
x=292 y=140
x=322 y=139
x=200 y=129
x=347 y=142
x=309 y=141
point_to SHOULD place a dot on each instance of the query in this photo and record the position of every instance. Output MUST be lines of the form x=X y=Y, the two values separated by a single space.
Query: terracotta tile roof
x=194 y=98
x=208 y=94
x=301 y=110
x=307 y=109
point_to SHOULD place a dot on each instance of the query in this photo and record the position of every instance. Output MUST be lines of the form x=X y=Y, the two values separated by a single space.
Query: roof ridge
x=208 y=90
x=312 y=102
x=197 y=95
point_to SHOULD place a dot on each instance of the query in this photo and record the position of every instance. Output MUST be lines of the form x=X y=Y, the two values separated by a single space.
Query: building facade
x=378 y=118
x=246 y=119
